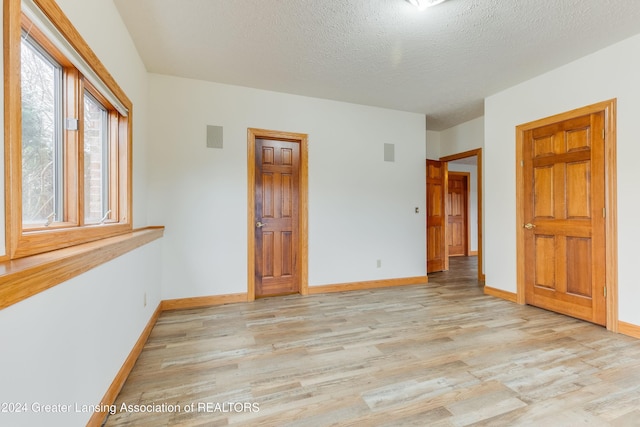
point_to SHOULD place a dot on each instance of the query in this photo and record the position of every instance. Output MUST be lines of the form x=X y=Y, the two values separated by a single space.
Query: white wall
x=610 y=73
x=473 y=198
x=464 y=137
x=66 y=344
x=2 y=193
x=361 y=208
x=433 y=145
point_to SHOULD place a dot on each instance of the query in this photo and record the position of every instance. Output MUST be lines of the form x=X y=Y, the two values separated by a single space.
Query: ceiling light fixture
x=423 y=4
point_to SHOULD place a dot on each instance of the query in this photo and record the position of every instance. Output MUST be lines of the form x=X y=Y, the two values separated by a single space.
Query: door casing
x=478 y=153
x=611 y=253
x=303 y=246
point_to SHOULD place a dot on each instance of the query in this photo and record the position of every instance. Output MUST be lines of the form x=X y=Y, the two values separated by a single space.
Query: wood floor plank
x=439 y=354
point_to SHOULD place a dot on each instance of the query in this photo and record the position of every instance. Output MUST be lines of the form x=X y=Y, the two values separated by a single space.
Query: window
x=41 y=85
x=96 y=161
x=68 y=167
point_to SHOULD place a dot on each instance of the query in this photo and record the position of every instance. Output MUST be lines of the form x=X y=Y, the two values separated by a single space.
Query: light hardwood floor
x=442 y=354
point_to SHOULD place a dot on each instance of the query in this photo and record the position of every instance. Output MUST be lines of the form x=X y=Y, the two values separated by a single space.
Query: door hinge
x=605 y=291
x=521 y=163
x=603 y=134
x=604 y=212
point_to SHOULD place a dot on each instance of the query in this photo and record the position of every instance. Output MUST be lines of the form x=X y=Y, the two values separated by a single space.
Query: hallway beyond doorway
x=461 y=269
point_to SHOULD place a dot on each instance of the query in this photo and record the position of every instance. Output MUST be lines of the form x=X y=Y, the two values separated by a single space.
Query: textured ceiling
x=441 y=62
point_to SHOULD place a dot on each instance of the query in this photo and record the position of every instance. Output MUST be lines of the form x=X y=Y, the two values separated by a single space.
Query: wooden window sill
x=25 y=277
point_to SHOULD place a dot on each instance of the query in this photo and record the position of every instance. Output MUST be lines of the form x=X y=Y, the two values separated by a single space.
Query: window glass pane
x=41 y=137
x=96 y=156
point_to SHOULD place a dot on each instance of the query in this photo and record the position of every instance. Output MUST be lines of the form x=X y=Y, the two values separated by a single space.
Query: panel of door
x=276 y=214
x=564 y=201
x=457 y=208
x=436 y=216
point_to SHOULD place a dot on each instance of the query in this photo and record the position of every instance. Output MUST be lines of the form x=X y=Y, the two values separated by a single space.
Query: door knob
x=260 y=224
x=529 y=226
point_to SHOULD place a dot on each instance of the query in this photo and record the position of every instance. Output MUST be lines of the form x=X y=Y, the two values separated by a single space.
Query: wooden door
x=436 y=216
x=277 y=166
x=457 y=214
x=564 y=216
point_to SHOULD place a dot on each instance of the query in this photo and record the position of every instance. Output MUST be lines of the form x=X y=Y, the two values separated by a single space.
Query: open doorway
x=452 y=247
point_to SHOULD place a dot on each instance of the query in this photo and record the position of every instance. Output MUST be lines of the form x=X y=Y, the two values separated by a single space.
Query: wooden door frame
x=303 y=208
x=467 y=217
x=611 y=219
x=478 y=153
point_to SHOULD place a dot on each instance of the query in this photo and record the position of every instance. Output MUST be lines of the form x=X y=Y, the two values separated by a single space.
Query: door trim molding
x=611 y=202
x=303 y=208
x=476 y=152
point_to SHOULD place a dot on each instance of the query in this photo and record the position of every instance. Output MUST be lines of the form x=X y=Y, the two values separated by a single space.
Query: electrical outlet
x=379 y=263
